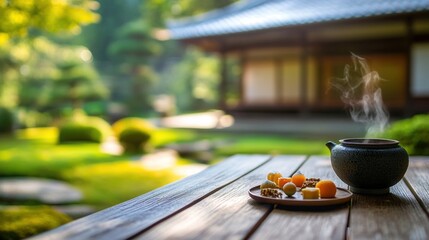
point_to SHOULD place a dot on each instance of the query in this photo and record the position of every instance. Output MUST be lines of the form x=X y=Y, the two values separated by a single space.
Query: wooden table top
x=214 y=204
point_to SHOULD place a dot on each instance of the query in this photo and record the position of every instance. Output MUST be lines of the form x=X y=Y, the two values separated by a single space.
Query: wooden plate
x=342 y=196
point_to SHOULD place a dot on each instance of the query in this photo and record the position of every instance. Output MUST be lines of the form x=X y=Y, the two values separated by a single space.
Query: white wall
x=259 y=85
x=290 y=92
x=420 y=70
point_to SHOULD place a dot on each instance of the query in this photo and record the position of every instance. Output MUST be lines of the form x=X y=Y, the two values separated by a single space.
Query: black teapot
x=369 y=165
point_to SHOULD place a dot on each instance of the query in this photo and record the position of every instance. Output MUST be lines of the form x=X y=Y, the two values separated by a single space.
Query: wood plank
x=226 y=214
x=417 y=178
x=308 y=223
x=397 y=215
x=129 y=218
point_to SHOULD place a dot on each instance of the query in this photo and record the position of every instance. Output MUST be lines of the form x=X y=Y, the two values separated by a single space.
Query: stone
x=76 y=211
x=38 y=189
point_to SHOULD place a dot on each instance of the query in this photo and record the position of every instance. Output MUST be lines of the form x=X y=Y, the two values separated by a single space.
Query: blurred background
x=101 y=101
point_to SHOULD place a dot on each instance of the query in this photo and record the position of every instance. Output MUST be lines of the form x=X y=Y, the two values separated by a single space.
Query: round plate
x=342 y=196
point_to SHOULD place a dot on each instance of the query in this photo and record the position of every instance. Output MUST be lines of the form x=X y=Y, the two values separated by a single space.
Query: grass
x=107 y=184
x=268 y=144
x=105 y=179
x=34 y=152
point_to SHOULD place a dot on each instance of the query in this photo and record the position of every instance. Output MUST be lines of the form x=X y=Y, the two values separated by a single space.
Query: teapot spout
x=330 y=145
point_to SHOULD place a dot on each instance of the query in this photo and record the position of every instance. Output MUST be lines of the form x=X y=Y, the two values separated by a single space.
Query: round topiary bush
x=412 y=133
x=86 y=129
x=6 y=120
x=133 y=134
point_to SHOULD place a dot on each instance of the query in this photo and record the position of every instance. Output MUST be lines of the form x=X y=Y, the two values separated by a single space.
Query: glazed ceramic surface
x=369 y=166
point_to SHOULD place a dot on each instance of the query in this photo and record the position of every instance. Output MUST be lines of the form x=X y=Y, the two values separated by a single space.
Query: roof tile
x=251 y=15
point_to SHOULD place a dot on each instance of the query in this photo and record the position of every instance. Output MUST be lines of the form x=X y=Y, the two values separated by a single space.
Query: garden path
x=314 y=125
x=37 y=189
x=58 y=194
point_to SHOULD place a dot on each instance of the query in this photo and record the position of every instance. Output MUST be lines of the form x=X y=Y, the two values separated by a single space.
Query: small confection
x=271 y=192
x=310 y=182
x=310 y=193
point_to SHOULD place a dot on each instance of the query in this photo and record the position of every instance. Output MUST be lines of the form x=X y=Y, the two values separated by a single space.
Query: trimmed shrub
x=86 y=129
x=133 y=134
x=6 y=120
x=23 y=222
x=413 y=134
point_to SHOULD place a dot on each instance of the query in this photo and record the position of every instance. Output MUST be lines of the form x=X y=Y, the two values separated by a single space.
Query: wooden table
x=214 y=204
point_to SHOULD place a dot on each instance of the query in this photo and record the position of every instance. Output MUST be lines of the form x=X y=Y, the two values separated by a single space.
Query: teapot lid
x=369 y=142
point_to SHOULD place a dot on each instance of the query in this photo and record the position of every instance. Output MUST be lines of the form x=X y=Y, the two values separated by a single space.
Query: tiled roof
x=251 y=15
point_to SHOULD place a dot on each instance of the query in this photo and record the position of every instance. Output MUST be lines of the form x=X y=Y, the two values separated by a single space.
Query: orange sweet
x=298 y=179
x=273 y=176
x=327 y=188
x=282 y=181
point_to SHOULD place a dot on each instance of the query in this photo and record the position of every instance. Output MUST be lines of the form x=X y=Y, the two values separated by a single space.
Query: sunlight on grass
x=106 y=184
x=41 y=159
x=273 y=145
x=164 y=136
x=47 y=134
x=106 y=179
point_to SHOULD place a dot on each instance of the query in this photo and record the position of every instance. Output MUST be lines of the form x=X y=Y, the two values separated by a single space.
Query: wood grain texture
x=397 y=215
x=126 y=219
x=417 y=177
x=308 y=223
x=227 y=214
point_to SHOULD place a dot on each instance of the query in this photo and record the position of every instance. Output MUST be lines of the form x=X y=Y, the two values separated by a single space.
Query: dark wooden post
x=408 y=110
x=304 y=75
x=223 y=85
x=279 y=80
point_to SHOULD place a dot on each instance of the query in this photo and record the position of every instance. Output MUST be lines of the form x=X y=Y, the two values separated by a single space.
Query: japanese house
x=290 y=50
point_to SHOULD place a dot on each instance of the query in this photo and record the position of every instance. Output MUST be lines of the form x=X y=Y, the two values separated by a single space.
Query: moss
x=23 y=222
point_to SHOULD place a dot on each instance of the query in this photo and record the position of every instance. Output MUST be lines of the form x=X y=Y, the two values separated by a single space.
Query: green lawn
x=106 y=179
x=34 y=152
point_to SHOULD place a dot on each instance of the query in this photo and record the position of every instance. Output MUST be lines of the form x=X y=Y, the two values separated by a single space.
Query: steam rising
x=361 y=92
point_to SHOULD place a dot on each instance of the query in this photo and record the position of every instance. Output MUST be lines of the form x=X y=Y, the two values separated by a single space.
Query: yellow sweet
x=289 y=189
x=274 y=176
x=268 y=184
x=310 y=193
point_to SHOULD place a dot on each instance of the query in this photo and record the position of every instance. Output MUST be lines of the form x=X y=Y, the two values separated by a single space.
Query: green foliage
x=78 y=83
x=412 y=133
x=23 y=222
x=19 y=17
x=6 y=120
x=30 y=118
x=11 y=58
x=156 y=12
x=84 y=128
x=134 y=43
x=114 y=14
x=133 y=133
x=195 y=82
x=26 y=61
x=135 y=47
